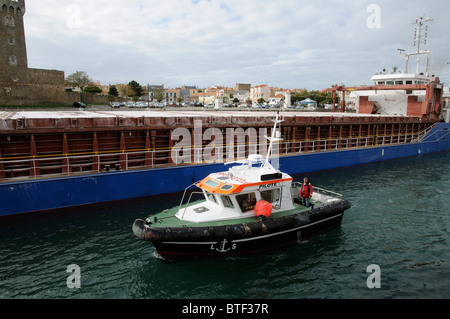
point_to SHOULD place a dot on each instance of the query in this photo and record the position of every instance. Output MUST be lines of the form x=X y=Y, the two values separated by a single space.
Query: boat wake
x=162 y=258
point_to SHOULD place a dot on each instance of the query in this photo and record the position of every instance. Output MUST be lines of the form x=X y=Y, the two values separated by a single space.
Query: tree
x=123 y=90
x=136 y=89
x=92 y=89
x=113 y=91
x=320 y=97
x=158 y=94
x=79 y=79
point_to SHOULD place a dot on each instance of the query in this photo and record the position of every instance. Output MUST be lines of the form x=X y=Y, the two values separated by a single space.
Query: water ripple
x=398 y=220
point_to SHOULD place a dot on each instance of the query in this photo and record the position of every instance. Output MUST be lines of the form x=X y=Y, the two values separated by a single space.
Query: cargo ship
x=52 y=160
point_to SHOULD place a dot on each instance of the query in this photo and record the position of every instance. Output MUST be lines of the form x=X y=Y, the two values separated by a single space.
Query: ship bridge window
x=390 y=83
x=227 y=203
x=409 y=82
x=271 y=196
x=246 y=202
x=381 y=83
x=399 y=82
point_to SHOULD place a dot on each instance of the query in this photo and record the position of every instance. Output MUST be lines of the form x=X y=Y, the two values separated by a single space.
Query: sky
x=291 y=44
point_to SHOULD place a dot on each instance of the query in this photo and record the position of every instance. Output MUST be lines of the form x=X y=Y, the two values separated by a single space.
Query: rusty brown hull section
x=48 y=144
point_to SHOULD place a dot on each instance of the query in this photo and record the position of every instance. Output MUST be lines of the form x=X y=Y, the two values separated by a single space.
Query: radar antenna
x=420 y=37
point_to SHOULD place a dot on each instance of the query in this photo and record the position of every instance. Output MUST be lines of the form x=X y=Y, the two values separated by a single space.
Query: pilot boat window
x=226 y=187
x=271 y=195
x=212 y=183
x=211 y=197
x=246 y=202
x=227 y=203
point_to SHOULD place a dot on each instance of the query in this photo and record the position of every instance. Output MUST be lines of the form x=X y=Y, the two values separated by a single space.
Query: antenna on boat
x=419 y=38
x=276 y=137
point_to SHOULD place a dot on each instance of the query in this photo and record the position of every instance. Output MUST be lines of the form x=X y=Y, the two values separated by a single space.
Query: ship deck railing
x=436 y=136
x=424 y=133
x=54 y=165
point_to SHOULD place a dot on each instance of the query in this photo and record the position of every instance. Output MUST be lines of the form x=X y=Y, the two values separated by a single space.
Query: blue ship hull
x=49 y=194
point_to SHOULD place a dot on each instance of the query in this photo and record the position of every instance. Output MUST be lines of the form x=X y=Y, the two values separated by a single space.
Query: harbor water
x=399 y=221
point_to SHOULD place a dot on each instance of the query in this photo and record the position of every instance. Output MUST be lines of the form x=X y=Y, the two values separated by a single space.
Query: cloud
x=288 y=43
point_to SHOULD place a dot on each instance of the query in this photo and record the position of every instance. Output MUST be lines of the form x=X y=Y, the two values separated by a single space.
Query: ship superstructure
x=401 y=93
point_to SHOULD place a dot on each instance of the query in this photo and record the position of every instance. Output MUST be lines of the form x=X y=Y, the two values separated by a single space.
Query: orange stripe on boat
x=218 y=187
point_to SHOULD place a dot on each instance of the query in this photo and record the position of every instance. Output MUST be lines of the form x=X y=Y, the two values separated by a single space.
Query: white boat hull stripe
x=253 y=238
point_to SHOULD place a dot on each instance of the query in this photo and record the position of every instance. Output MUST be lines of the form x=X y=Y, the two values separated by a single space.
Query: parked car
x=141 y=104
x=116 y=105
x=79 y=105
x=257 y=105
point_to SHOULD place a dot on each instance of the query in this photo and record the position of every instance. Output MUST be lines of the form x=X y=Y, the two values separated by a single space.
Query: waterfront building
x=260 y=92
x=241 y=95
x=151 y=90
x=171 y=95
x=242 y=87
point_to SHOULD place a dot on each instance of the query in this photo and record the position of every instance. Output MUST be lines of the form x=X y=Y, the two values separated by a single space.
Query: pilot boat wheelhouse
x=252 y=207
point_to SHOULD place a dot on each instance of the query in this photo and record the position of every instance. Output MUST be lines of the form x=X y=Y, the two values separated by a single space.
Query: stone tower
x=14 y=76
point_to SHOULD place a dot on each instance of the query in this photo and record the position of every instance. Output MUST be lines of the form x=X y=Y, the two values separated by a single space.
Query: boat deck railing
x=58 y=165
x=190 y=197
x=327 y=194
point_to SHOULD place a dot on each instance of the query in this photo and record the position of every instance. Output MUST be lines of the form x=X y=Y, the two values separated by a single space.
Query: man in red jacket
x=306 y=191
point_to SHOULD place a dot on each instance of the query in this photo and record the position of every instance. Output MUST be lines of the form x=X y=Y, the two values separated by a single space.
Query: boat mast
x=419 y=37
x=276 y=137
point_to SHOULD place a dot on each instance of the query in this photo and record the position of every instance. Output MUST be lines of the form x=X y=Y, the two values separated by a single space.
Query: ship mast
x=419 y=37
x=276 y=137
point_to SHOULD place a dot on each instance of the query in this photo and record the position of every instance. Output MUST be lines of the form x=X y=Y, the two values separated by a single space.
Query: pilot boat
x=251 y=208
